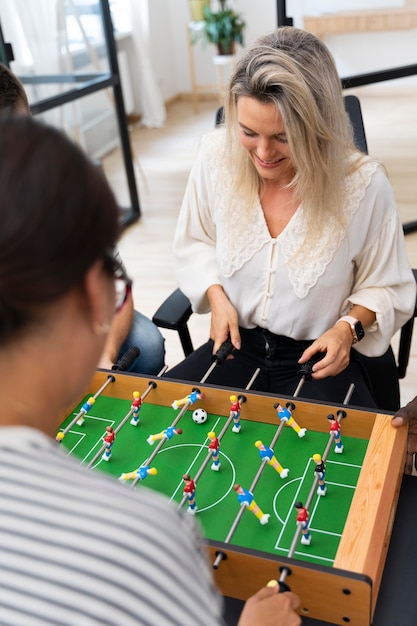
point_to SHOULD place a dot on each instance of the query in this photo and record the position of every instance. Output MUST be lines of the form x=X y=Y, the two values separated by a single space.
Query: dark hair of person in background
x=12 y=93
x=44 y=222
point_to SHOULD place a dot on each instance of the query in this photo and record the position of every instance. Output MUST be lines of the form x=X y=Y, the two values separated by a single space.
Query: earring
x=101 y=329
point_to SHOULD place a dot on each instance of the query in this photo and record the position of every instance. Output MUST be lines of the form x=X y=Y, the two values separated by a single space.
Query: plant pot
x=197 y=9
x=226 y=50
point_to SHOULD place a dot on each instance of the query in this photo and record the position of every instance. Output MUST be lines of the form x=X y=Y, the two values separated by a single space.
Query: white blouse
x=297 y=296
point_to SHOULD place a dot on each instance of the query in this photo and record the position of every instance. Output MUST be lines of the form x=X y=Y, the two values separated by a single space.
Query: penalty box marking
x=80 y=435
x=300 y=480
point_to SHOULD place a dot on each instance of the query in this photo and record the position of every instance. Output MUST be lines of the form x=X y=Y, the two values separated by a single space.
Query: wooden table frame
x=347 y=592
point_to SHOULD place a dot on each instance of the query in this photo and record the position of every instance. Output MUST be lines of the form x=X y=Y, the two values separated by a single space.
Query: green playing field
x=217 y=504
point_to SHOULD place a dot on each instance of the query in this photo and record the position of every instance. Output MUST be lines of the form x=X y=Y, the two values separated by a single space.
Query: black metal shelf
x=88 y=84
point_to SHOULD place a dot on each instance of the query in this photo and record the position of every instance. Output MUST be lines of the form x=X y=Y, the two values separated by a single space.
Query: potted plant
x=223 y=28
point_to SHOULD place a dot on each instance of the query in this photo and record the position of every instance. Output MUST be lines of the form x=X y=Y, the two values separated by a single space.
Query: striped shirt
x=78 y=548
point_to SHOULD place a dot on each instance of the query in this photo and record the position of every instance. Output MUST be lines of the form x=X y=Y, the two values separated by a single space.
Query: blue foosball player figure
x=140 y=473
x=285 y=415
x=168 y=433
x=267 y=453
x=84 y=409
x=190 y=399
x=246 y=499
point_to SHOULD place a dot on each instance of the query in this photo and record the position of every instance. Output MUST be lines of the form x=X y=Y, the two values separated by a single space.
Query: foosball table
x=162 y=442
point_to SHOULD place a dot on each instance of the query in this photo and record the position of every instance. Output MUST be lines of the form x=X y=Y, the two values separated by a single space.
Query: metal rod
x=150 y=386
x=294 y=543
x=110 y=379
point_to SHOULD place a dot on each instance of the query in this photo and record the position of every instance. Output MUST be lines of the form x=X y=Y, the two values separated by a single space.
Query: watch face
x=360 y=333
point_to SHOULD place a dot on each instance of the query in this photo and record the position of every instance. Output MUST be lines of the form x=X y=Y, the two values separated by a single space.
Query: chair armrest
x=174 y=314
x=405 y=340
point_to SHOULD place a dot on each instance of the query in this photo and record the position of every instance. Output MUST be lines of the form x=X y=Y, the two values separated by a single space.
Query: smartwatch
x=355 y=325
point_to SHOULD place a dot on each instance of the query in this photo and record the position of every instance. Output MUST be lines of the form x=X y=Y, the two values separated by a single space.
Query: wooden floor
x=163 y=158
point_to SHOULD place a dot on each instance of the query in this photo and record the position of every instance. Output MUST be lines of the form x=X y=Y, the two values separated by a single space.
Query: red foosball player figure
x=302 y=520
x=284 y=415
x=335 y=431
x=108 y=439
x=191 y=398
x=246 y=499
x=235 y=413
x=168 y=433
x=267 y=453
x=140 y=473
x=136 y=405
x=189 y=491
x=84 y=409
x=320 y=471
x=214 y=446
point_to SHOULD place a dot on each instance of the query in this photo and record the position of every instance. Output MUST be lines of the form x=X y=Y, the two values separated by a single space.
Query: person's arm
x=336 y=344
x=270 y=608
x=383 y=292
x=119 y=330
x=407 y=416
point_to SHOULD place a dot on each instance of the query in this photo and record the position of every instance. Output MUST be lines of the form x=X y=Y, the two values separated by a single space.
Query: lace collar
x=241 y=236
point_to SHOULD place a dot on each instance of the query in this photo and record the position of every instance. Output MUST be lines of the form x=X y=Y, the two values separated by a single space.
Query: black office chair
x=384 y=372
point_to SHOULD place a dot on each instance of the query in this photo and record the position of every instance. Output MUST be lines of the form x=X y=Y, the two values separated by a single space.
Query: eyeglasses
x=122 y=282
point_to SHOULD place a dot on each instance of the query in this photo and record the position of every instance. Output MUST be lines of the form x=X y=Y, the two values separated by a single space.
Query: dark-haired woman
x=77 y=547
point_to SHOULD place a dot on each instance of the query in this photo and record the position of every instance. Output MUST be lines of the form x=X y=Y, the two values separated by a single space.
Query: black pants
x=277 y=358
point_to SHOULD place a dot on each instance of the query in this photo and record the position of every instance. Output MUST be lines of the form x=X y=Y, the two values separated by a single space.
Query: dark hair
x=58 y=216
x=12 y=93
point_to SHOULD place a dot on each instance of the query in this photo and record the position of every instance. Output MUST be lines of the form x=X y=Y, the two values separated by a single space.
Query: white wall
x=170 y=50
x=354 y=53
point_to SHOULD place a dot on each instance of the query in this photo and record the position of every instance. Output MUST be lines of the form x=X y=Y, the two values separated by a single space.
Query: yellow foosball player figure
x=285 y=415
x=190 y=399
x=246 y=499
x=140 y=473
x=267 y=453
x=168 y=433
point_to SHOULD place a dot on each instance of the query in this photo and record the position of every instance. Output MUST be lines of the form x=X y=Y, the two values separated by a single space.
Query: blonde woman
x=289 y=235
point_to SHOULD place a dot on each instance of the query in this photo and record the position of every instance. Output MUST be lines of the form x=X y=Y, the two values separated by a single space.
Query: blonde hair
x=295 y=71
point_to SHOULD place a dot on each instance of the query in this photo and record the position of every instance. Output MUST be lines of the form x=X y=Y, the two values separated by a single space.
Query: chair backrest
x=353 y=109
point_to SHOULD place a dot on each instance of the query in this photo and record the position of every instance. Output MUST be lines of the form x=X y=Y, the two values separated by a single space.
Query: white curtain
x=151 y=100
x=31 y=27
x=38 y=32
